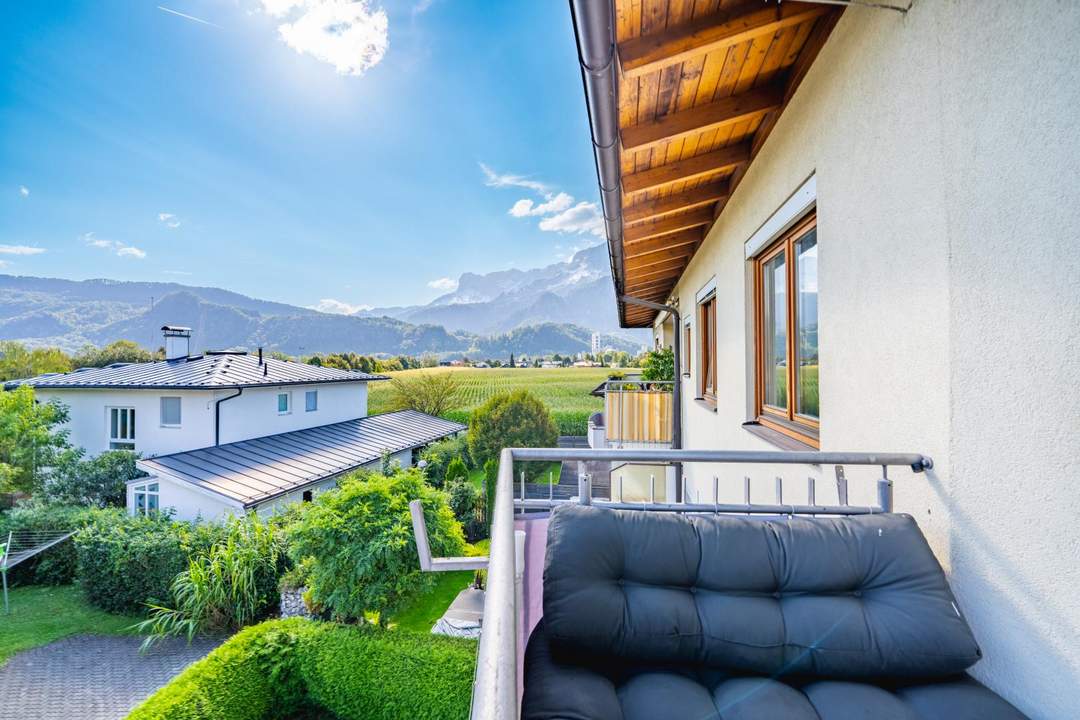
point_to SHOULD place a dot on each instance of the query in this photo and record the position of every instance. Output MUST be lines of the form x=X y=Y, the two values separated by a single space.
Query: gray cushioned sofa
x=658 y=615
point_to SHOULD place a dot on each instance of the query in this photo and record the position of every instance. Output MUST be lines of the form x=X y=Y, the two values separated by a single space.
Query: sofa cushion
x=565 y=685
x=850 y=597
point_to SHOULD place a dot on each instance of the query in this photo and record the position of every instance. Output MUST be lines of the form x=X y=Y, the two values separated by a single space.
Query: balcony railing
x=496 y=688
x=638 y=413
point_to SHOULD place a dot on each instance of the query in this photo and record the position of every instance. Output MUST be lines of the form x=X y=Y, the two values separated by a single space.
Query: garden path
x=91 y=677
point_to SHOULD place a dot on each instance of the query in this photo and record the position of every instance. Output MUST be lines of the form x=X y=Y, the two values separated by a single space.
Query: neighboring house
x=186 y=405
x=866 y=221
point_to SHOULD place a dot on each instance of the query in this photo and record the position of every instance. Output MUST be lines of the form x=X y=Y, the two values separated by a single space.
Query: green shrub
x=572 y=422
x=100 y=481
x=516 y=419
x=55 y=566
x=439 y=455
x=658 y=365
x=491 y=479
x=230 y=585
x=360 y=542
x=365 y=673
x=281 y=668
x=250 y=677
x=456 y=470
x=465 y=504
x=125 y=561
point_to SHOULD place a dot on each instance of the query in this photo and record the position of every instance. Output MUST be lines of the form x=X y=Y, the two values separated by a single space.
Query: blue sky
x=365 y=153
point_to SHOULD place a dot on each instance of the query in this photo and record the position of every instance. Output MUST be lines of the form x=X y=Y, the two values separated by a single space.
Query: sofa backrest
x=852 y=597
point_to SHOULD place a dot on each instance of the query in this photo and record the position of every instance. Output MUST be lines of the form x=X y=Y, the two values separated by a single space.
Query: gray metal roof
x=213 y=370
x=253 y=471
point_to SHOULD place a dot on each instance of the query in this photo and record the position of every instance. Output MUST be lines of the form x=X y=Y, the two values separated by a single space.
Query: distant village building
x=231 y=431
x=595 y=343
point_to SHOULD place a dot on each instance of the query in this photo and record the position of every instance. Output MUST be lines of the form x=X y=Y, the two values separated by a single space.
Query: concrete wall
x=252 y=414
x=945 y=148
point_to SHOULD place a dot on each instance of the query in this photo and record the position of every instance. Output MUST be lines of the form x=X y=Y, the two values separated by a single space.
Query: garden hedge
x=279 y=668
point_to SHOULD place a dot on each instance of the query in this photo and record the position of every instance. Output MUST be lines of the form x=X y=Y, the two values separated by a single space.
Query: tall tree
x=33 y=442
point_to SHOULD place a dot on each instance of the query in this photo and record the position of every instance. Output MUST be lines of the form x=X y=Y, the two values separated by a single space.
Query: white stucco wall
x=186 y=501
x=945 y=146
x=252 y=414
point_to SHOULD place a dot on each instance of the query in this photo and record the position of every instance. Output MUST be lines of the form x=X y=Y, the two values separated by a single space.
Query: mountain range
x=545 y=310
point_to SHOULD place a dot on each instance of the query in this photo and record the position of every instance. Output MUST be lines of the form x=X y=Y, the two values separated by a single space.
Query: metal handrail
x=495 y=691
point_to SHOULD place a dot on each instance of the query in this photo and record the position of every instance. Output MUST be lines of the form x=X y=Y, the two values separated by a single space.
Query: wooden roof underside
x=700 y=87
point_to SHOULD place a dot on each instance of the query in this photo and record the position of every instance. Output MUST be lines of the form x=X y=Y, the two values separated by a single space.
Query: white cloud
x=170 y=220
x=557 y=203
x=443 y=284
x=558 y=212
x=501 y=180
x=175 y=272
x=4 y=263
x=421 y=7
x=338 y=307
x=20 y=250
x=24 y=191
x=585 y=217
x=115 y=246
x=346 y=34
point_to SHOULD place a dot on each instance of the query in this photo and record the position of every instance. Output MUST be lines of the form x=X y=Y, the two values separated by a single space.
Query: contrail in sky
x=188 y=17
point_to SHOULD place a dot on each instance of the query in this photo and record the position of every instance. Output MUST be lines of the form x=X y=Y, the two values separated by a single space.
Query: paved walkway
x=90 y=677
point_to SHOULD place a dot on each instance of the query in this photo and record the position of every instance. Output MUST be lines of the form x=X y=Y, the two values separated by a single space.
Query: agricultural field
x=564 y=390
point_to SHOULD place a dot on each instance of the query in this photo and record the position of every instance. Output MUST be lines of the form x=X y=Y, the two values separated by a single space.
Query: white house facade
x=173 y=412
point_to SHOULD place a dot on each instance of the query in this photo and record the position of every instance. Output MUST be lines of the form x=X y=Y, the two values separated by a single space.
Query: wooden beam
x=692 y=236
x=658 y=272
x=660 y=257
x=666 y=226
x=686 y=200
x=718 y=115
x=710 y=33
x=710 y=163
x=662 y=287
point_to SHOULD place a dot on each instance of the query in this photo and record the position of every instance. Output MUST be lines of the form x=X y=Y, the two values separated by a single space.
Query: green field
x=564 y=390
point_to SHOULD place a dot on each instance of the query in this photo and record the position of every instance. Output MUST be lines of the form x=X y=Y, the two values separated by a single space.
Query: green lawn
x=564 y=390
x=420 y=615
x=41 y=614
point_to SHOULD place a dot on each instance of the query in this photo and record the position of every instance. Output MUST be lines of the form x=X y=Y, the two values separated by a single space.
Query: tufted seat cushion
x=562 y=685
x=842 y=598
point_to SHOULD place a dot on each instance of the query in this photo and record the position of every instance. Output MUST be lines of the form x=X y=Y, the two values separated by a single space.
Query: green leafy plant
x=465 y=503
x=456 y=470
x=516 y=419
x=100 y=481
x=658 y=365
x=359 y=542
x=231 y=584
x=433 y=393
x=55 y=566
x=126 y=562
x=438 y=456
x=33 y=440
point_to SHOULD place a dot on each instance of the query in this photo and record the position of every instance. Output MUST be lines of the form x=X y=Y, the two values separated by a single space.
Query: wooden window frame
x=706 y=358
x=784 y=420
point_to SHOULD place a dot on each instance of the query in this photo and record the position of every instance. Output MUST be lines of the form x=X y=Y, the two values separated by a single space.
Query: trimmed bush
x=249 y=677
x=465 y=499
x=439 y=456
x=125 y=561
x=282 y=667
x=364 y=673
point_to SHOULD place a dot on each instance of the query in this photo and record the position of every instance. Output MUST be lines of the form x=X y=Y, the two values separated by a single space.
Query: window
x=787 y=333
x=687 y=349
x=147 y=499
x=284 y=403
x=707 y=349
x=307 y=496
x=311 y=401
x=170 y=412
x=121 y=428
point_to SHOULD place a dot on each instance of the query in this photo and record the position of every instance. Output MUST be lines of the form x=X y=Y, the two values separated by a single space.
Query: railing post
x=841 y=485
x=584 y=488
x=885 y=490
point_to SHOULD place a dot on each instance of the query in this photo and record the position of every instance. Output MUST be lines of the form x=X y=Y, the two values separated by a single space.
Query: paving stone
x=91 y=677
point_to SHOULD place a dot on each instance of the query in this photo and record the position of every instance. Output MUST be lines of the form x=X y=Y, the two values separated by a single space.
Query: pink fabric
x=535 y=527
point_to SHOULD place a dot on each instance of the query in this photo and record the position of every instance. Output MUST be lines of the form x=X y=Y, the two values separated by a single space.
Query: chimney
x=177 y=341
x=260 y=356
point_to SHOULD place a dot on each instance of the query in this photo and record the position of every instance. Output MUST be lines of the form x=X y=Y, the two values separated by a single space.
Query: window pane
x=311 y=400
x=283 y=402
x=152 y=487
x=123 y=424
x=806 y=317
x=140 y=502
x=775 y=331
x=113 y=423
x=170 y=411
x=152 y=502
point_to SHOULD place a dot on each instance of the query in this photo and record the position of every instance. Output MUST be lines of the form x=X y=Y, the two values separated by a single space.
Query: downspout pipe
x=594 y=29
x=676 y=386
x=217 y=414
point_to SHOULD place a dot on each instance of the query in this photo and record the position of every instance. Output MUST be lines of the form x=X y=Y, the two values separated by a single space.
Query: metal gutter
x=594 y=30
x=217 y=414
